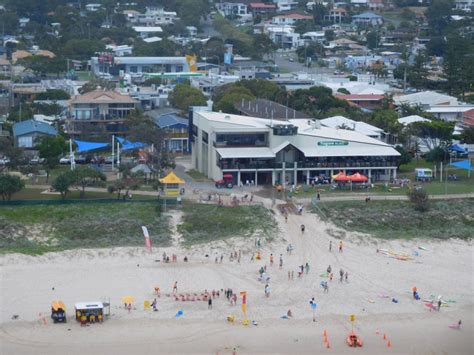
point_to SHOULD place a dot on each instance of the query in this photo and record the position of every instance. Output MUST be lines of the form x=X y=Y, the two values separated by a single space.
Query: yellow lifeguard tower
x=172 y=185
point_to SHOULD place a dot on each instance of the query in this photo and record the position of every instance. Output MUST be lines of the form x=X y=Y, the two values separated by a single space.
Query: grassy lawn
x=36 y=194
x=197 y=175
x=84 y=75
x=398 y=220
x=43 y=228
x=205 y=223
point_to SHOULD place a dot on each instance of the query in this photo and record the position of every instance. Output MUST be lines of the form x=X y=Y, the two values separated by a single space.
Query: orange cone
x=389 y=344
x=384 y=337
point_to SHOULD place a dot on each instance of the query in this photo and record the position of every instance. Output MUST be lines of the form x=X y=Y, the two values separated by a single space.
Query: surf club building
x=293 y=151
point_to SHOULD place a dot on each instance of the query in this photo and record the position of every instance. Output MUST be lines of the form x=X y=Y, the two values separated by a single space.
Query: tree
x=51 y=149
x=143 y=129
x=329 y=35
x=9 y=185
x=467 y=135
x=83 y=48
x=83 y=176
x=418 y=72
x=436 y=155
x=371 y=39
x=438 y=15
x=63 y=182
x=459 y=64
x=419 y=198
x=405 y=157
x=183 y=96
x=263 y=44
x=225 y=101
x=44 y=65
x=304 y=26
x=433 y=134
x=436 y=46
x=53 y=94
x=95 y=84
x=15 y=155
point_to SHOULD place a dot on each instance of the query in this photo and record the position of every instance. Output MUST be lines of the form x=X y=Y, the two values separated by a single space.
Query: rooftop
x=31 y=126
x=263 y=108
x=99 y=96
x=425 y=98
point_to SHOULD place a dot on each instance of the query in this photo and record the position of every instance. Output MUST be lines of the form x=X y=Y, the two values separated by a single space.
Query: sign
x=332 y=143
x=227 y=58
x=192 y=62
x=352 y=317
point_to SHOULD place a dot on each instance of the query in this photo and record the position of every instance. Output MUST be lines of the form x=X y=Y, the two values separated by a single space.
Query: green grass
x=42 y=228
x=84 y=75
x=197 y=175
x=205 y=223
x=398 y=220
x=36 y=194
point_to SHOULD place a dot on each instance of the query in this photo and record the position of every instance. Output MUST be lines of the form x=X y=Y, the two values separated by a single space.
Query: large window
x=236 y=140
x=205 y=137
x=285 y=130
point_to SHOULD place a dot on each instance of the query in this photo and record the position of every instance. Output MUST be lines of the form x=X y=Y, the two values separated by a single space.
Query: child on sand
x=330 y=245
x=271 y=259
x=281 y=261
x=175 y=287
x=330 y=276
x=302 y=228
x=340 y=246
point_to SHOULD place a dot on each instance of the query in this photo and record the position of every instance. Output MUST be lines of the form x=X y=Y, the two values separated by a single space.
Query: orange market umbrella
x=358 y=178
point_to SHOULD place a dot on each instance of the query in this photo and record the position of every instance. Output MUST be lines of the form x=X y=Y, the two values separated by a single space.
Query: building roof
x=425 y=98
x=152 y=39
x=359 y=97
x=149 y=29
x=367 y=15
x=295 y=16
x=412 y=119
x=31 y=126
x=261 y=5
x=339 y=122
x=171 y=120
x=263 y=108
x=172 y=178
x=100 y=96
x=150 y=60
x=245 y=152
x=450 y=108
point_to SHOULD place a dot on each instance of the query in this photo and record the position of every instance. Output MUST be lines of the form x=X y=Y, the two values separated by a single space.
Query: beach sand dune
x=29 y=284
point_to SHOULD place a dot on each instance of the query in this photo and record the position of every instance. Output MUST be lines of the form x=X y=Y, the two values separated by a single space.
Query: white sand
x=87 y=275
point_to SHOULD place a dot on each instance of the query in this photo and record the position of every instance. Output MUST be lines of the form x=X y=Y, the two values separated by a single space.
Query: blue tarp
x=463 y=164
x=127 y=145
x=457 y=148
x=83 y=146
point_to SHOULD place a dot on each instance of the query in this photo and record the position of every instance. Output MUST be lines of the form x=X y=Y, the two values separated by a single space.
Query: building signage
x=332 y=143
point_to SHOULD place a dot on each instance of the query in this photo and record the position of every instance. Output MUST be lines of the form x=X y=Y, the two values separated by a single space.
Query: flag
x=147 y=238
x=244 y=301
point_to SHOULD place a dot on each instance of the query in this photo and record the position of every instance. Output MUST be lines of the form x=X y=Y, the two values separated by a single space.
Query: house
x=341 y=122
x=425 y=99
x=367 y=19
x=25 y=92
x=367 y=101
x=232 y=9
x=286 y=5
x=375 y=4
x=464 y=5
x=192 y=31
x=22 y=54
x=93 y=7
x=408 y=120
x=99 y=113
x=314 y=36
x=137 y=66
x=283 y=36
x=120 y=51
x=290 y=152
x=153 y=16
x=23 y=21
x=261 y=8
x=27 y=133
x=359 y=3
x=146 y=31
x=453 y=113
x=177 y=132
x=290 y=19
x=336 y=15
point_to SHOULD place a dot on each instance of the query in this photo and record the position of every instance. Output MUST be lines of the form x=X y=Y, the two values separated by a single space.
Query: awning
x=247 y=152
x=83 y=146
x=457 y=148
x=127 y=145
x=349 y=151
x=172 y=178
x=463 y=164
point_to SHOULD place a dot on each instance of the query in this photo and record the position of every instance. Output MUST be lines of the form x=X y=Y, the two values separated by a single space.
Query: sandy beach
x=29 y=284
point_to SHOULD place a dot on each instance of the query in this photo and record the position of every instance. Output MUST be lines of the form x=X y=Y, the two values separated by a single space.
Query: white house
x=120 y=51
x=425 y=99
x=286 y=5
x=464 y=5
x=290 y=152
x=93 y=7
x=145 y=31
x=283 y=36
x=367 y=18
x=232 y=9
x=290 y=19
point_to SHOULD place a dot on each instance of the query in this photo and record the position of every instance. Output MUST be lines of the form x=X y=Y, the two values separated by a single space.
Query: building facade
x=99 y=113
x=289 y=152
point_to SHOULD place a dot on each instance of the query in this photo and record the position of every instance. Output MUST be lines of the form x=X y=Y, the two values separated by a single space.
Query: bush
x=419 y=198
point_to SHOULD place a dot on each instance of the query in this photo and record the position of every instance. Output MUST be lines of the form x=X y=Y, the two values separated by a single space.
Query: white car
x=4 y=161
x=65 y=160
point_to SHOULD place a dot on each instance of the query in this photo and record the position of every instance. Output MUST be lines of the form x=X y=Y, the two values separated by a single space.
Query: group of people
x=88 y=317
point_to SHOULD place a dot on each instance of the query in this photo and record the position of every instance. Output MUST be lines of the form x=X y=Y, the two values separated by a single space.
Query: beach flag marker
x=389 y=344
x=384 y=336
x=325 y=334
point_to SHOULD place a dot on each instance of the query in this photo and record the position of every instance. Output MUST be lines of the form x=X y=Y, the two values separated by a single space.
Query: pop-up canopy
x=357 y=177
x=340 y=177
x=83 y=146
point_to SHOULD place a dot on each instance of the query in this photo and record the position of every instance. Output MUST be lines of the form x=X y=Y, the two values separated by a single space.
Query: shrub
x=419 y=198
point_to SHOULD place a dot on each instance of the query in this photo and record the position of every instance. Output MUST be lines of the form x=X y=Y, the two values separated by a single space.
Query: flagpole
x=113 y=151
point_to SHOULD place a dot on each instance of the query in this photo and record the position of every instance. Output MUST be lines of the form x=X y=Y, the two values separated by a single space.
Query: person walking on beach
x=329 y=269
x=292 y=275
x=271 y=259
x=340 y=246
x=175 y=287
x=302 y=228
x=222 y=257
x=415 y=290
x=341 y=275
x=286 y=217
x=325 y=287
x=331 y=276
x=330 y=245
x=306 y=267
x=347 y=276
x=209 y=303
x=267 y=290
x=281 y=261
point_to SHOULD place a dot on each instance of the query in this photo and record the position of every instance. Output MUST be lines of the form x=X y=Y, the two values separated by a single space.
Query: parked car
x=36 y=160
x=65 y=160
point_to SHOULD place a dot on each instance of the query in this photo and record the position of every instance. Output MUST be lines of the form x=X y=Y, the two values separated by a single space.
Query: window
x=133 y=69
x=25 y=142
x=205 y=137
x=195 y=130
x=249 y=140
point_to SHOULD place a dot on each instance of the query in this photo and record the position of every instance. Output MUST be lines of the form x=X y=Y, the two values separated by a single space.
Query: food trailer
x=89 y=312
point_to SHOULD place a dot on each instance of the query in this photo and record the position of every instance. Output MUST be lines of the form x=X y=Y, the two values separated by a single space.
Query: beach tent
x=457 y=148
x=172 y=184
x=357 y=177
x=127 y=145
x=463 y=164
x=341 y=177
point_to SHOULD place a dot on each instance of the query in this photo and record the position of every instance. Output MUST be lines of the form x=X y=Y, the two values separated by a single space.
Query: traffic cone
x=384 y=337
x=389 y=344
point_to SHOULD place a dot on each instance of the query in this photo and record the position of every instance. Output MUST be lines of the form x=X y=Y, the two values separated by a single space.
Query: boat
x=353 y=340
